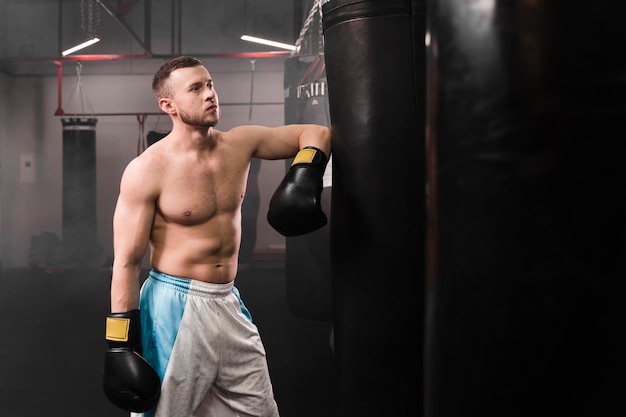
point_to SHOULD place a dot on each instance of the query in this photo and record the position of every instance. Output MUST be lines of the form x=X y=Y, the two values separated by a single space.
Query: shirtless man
x=182 y=197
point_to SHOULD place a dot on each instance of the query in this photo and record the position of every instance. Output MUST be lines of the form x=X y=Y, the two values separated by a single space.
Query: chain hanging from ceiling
x=90 y=18
x=82 y=104
x=315 y=12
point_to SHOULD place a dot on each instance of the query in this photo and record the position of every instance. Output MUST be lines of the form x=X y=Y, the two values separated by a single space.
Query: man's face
x=194 y=97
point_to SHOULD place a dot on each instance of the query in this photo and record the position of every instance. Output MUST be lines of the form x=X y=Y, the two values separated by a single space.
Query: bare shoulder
x=147 y=161
x=241 y=139
x=144 y=170
x=245 y=130
x=245 y=133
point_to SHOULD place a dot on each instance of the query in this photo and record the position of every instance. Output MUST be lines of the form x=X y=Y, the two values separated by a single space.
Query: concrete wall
x=31 y=196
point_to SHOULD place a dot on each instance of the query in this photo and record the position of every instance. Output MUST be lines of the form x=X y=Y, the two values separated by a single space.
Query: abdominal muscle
x=206 y=252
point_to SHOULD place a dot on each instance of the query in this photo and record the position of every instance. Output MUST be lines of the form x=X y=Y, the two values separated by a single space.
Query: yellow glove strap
x=117 y=329
x=304 y=156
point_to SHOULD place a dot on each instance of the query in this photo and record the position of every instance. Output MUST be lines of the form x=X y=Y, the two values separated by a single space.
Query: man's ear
x=165 y=104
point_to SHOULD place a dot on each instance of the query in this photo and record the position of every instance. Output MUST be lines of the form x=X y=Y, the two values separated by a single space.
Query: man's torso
x=197 y=223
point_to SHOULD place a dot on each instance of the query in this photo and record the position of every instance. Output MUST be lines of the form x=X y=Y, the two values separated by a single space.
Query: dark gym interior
x=52 y=351
x=474 y=263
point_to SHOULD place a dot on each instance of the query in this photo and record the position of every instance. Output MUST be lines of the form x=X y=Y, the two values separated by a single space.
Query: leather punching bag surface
x=526 y=132
x=375 y=73
x=307 y=261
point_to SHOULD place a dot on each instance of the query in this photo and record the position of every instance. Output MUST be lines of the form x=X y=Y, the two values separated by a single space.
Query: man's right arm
x=129 y=381
x=132 y=222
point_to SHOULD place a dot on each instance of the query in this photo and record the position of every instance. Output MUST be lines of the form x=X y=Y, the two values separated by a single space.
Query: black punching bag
x=526 y=132
x=307 y=261
x=374 y=53
x=79 y=190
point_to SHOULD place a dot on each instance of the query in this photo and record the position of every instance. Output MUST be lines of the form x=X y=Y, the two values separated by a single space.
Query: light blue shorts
x=200 y=339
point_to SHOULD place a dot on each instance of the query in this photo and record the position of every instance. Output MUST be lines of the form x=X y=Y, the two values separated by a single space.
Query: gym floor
x=52 y=327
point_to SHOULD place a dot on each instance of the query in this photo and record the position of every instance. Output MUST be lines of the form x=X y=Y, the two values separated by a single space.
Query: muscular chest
x=196 y=194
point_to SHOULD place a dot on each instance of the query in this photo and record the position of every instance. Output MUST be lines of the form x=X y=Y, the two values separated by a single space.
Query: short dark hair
x=159 y=84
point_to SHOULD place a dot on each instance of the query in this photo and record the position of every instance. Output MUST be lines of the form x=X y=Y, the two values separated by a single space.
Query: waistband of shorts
x=192 y=286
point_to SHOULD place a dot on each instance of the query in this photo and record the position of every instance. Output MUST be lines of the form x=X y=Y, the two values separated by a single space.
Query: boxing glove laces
x=129 y=381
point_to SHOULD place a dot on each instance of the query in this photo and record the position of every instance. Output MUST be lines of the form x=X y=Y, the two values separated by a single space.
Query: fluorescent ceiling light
x=268 y=42
x=80 y=46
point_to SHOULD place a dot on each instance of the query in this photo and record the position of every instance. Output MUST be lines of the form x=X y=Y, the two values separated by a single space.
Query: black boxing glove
x=295 y=206
x=129 y=381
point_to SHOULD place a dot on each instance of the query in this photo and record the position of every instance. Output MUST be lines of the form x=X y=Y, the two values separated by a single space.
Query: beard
x=199 y=121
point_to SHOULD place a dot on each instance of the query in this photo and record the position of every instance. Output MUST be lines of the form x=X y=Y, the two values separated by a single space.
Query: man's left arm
x=285 y=141
x=295 y=208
